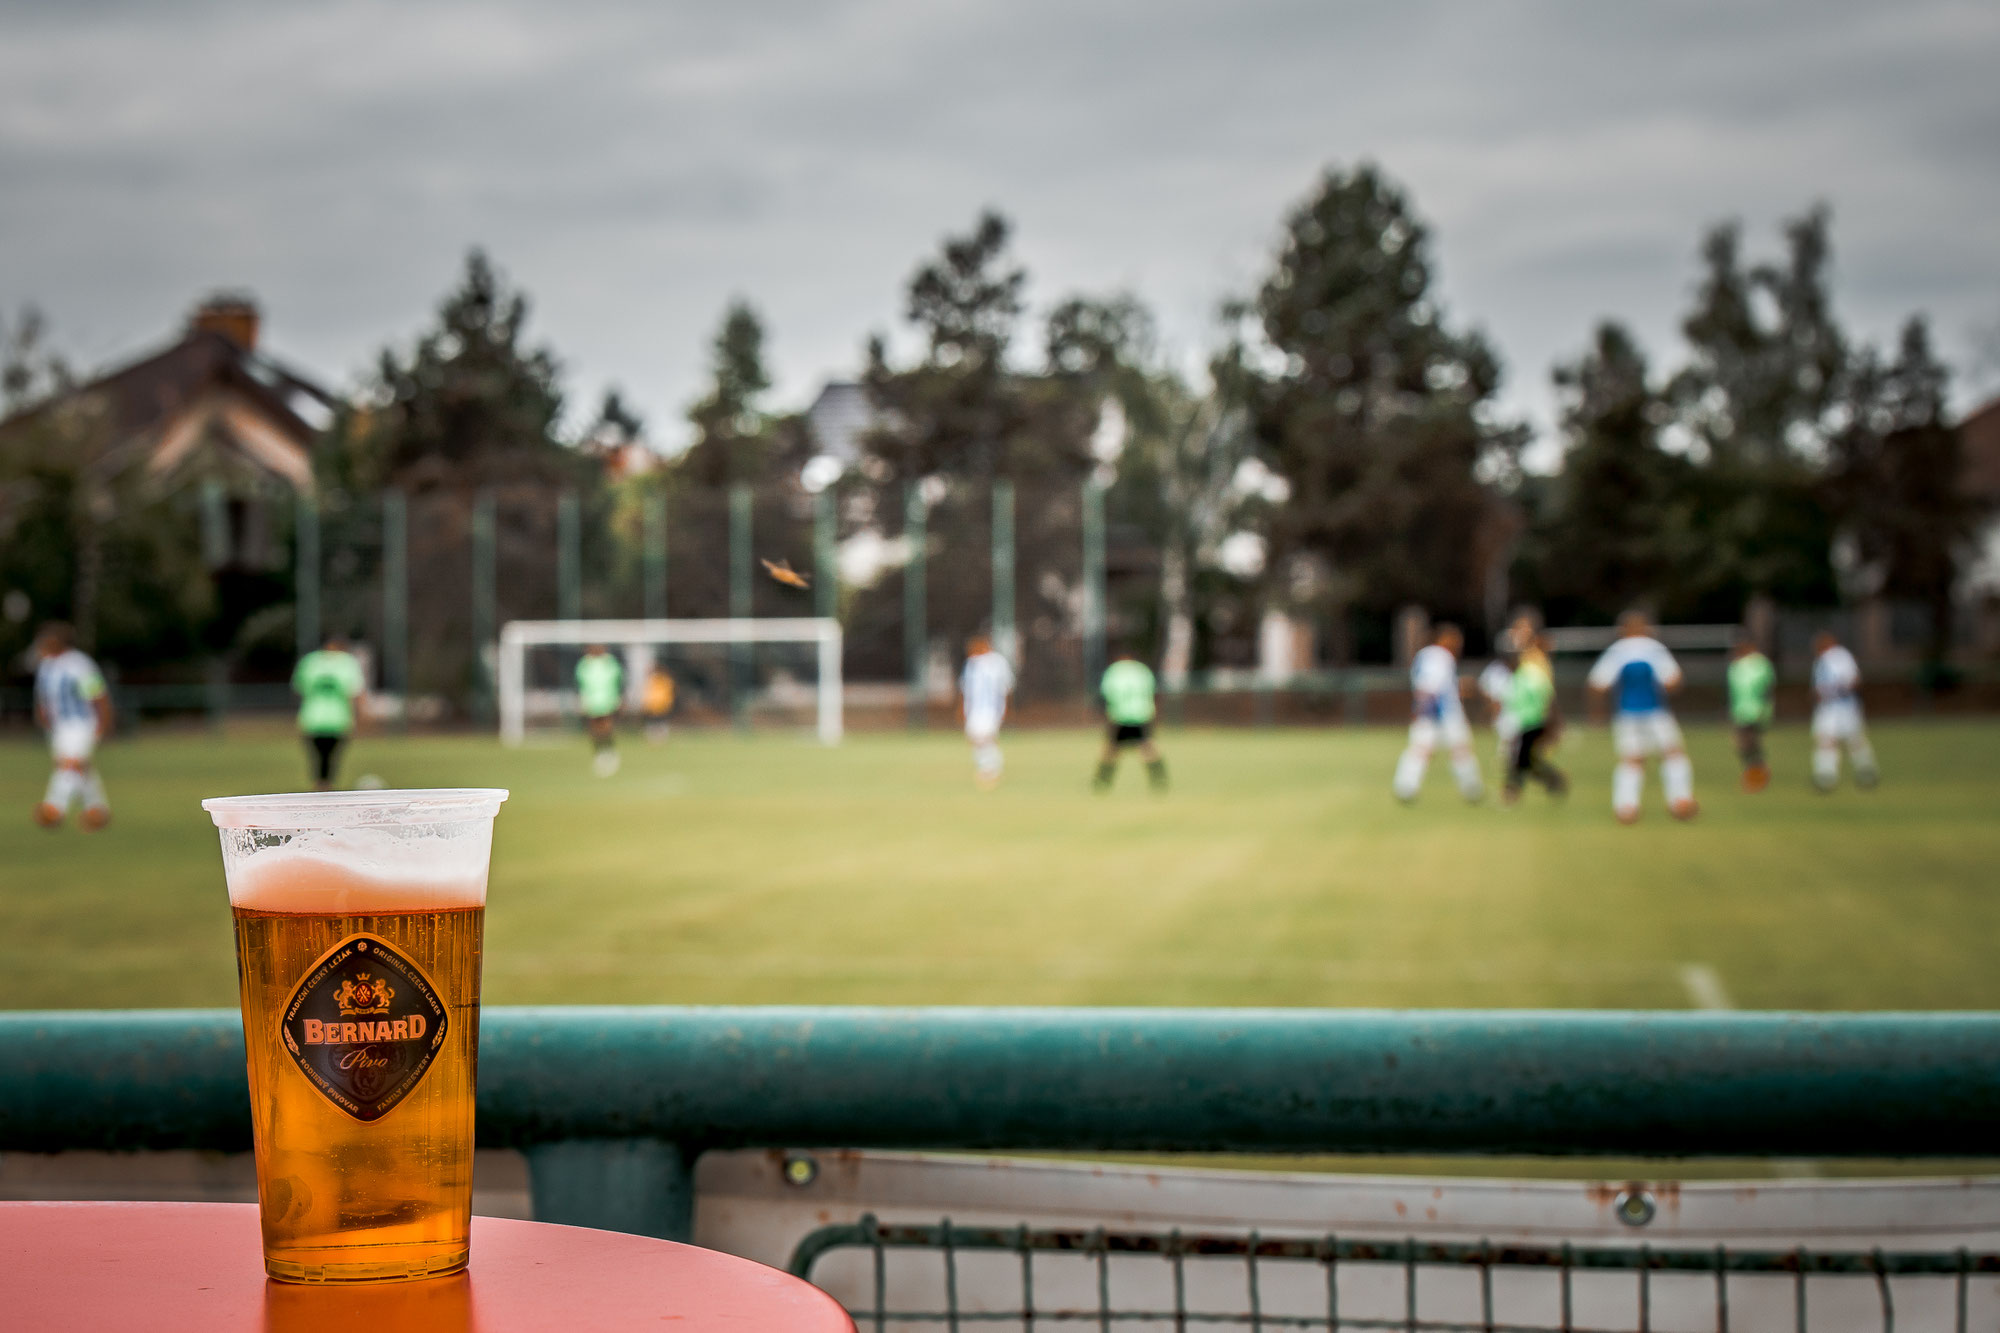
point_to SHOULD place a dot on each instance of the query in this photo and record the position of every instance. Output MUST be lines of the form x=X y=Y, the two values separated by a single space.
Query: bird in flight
x=782 y=571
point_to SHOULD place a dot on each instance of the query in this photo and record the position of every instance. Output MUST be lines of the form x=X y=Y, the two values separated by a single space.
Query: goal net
x=762 y=672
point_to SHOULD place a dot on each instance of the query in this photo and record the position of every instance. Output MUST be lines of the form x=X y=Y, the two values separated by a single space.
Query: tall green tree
x=1895 y=480
x=958 y=410
x=1616 y=526
x=1375 y=411
x=1754 y=403
x=731 y=428
x=472 y=403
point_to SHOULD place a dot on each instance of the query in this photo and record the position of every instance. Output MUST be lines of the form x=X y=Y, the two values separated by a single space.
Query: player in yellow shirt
x=657 y=702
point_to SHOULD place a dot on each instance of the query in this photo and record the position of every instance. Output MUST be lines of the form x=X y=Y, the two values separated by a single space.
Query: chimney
x=234 y=317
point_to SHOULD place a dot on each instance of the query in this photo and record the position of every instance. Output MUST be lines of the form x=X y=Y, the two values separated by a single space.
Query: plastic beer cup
x=358 y=925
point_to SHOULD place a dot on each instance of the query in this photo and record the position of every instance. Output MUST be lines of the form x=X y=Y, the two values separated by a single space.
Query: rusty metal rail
x=1100 y=1246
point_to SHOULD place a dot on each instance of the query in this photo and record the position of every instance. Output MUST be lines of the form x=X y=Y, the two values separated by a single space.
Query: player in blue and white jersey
x=72 y=705
x=1638 y=673
x=1437 y=713
x=983 y=689
x=1836 y=679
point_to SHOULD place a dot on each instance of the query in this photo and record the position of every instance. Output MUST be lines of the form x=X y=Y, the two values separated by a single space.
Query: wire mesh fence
x=912 y=1276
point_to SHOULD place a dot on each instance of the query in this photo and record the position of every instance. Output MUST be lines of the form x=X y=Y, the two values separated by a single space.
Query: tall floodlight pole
x=653 y=555
x=485 y=598
x=396 y=601
x=569 y=557
x=305 y=575
x=740 y=601
x=1093 y=582
x=916 y=632
x=826 y=557
x=1005 y=637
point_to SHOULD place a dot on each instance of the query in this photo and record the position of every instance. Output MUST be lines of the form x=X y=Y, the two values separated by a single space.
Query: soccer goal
x=1677 y=638
x=775 y=670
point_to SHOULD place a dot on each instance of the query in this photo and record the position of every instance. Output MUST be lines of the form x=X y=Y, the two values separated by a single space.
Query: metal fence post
x=1004 y=636
x=305 y=575
x=485 y=599
x=826 y=557
x=1093 y=582
x=641 y=1186
x=916 y=631
x=396 y=601
x=741 y=602
x=653 y=556
x=569 y=557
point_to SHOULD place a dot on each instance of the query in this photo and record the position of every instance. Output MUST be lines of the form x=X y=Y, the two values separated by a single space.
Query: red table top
x=198 y=1267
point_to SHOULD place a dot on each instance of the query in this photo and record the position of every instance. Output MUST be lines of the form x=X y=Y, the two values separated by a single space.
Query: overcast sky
x=633 y=165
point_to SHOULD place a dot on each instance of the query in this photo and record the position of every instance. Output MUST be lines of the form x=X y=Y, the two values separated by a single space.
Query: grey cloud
x=634 y=165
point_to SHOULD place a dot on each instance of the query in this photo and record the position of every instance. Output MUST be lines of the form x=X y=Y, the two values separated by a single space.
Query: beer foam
x=355 y=872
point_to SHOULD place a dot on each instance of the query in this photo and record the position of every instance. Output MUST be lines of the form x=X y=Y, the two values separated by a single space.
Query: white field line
x=1704 y=987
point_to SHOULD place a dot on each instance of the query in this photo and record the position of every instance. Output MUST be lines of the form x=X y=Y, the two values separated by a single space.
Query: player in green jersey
x=1753 y=685
x=600 y=691
x=1531 y=703
x=1127 y=691
x=327 y=681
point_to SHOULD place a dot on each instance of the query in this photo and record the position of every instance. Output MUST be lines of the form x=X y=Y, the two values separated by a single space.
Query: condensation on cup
x=359 y=917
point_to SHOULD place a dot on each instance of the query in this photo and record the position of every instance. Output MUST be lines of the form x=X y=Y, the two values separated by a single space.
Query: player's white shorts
x=982 y=728
x=1451 y=730
x=1636 y=735
x=1506 y=727
x=1837 y=721
x=73 y=741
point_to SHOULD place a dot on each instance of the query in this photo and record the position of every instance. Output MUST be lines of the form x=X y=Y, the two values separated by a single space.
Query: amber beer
x=358 y=924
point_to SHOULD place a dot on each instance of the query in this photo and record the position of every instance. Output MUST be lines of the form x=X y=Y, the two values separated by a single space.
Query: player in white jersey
x=1638 y=673
x=71 y=704
x=983 y=689
x=1437 y=713
x=1496 y=685
x=1836 y=679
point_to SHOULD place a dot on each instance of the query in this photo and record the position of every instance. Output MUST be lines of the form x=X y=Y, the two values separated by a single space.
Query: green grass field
x=1278 y=871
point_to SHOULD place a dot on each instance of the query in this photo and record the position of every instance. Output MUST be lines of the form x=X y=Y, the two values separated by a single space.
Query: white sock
x=1862 y=755
x=1410 y=772
x=986 y=758
x=1465 y=767
x=1677 y=776
x=64 y=785
x=93 y=792
x=1826 y=765
x=1626 y=780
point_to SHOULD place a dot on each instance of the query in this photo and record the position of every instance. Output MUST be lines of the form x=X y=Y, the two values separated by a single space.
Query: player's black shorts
x=1131 y=733
x=325 y=749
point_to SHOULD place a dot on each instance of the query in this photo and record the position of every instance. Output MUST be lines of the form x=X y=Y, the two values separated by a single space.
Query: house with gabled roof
x=210 y=410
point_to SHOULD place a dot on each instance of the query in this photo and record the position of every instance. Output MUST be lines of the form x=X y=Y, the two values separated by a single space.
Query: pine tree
x=1753 y=405
x=472 y=404
x=1376 y=413
x=1894 y=479
x=730 y=426
x=1615 y=530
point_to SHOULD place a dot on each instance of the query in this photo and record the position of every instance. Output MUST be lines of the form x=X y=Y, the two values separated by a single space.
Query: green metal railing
x=613 y=1105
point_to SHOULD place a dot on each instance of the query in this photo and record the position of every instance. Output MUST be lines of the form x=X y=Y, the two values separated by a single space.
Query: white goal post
x=517 y=636
x=1680 y=638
